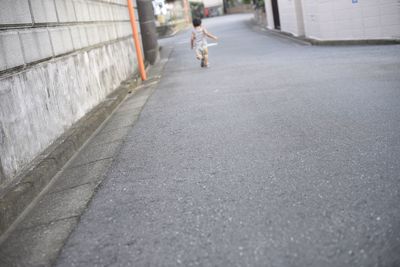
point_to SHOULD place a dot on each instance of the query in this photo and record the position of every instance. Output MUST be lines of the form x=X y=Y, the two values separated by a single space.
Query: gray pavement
x=280 y=154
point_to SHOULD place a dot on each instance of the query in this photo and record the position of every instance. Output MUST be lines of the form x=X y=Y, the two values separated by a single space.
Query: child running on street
x=199 y=42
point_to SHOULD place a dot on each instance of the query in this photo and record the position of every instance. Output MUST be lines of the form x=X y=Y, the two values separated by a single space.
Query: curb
x=315 y=42
x=353 y=42
x=16 y=197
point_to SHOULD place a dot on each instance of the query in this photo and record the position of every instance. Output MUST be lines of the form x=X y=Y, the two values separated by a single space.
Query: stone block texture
x=61 y=40
x=15 y=12
x=65 y=10
x=82 y=10
x=36 y=44
x=43 y=11
x=70 y=55
x=10 y=50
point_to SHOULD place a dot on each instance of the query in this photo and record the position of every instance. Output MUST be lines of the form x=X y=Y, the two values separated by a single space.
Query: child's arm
x=192 y=40
x=210 y=35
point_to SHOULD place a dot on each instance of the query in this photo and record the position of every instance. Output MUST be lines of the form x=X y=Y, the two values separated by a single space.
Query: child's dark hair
x=196 y=22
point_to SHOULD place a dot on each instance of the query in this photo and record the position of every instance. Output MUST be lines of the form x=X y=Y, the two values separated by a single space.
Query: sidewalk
x=41 y=231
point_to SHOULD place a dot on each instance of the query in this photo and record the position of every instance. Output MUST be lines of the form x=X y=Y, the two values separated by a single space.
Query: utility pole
x=142 y=70
x=148 y=28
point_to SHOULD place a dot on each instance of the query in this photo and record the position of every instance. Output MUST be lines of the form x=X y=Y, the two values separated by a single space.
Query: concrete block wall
x=58 y=22
x=15 y=12
x=11 y=50
x=58 y=60
x=352 y=20
x=43 y=11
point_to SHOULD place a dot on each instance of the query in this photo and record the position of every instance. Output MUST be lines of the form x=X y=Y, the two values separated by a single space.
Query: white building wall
x=345 y=20
x=299 y=17
x=212 y=3
x=290 y=14
x=291 y=18
x=270 y=15
x=287 y=16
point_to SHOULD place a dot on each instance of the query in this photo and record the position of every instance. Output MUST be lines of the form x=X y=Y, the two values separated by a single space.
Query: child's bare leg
x=198 y=55
x=206 y=60
x=206 y=57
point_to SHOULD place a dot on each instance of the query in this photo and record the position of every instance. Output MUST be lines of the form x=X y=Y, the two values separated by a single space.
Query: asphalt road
x=280 y=154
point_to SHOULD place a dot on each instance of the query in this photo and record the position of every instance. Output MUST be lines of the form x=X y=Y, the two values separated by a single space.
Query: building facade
x=336 y=20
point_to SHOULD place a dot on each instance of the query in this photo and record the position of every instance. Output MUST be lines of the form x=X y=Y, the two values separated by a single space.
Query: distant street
x=279 y=154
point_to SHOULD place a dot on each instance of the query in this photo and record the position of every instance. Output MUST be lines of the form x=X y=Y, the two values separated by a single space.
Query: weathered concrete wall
x=58 y=59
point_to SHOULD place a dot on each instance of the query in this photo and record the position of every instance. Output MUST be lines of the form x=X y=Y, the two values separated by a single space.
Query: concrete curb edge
x=310 y=41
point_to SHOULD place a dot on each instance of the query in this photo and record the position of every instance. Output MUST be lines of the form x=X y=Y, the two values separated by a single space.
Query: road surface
x=279 y=154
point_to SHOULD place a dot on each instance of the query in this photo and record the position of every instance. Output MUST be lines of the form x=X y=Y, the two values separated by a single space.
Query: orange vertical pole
x=186 y=8
x=136 y=40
